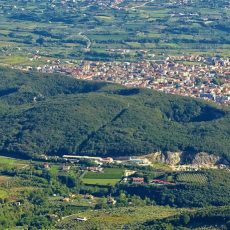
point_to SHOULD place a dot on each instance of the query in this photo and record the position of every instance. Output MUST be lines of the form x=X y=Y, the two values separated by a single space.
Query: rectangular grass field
x=109 y=176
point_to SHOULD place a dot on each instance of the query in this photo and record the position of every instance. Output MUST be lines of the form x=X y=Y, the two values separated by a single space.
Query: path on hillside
x=145 y=3
x=89 y=43
x=91 y=135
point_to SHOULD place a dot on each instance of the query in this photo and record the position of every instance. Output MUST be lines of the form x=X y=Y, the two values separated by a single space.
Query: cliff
x=200 y=159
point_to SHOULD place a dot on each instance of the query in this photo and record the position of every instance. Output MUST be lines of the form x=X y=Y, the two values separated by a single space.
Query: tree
x=185 y=219
x=37 y=198
x=40 y=41
x=101 y=204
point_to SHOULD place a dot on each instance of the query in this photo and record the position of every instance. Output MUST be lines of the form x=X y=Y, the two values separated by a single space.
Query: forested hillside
x=55 y=114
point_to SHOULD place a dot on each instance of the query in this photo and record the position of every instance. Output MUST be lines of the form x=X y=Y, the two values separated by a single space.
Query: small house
x=107 y=160
x=46 y=166
x=111 y=200
x=88 y=196
x=81 y=219
x=95 y=169
x=66 y=199
x=138 y=180
x=18 y=203
x=66 y=168
x=72 y=195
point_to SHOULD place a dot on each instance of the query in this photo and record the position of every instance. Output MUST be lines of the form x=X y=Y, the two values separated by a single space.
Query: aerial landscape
x=115 y=114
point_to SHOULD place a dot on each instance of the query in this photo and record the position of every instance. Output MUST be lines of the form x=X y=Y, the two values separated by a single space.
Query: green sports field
x=109 y=176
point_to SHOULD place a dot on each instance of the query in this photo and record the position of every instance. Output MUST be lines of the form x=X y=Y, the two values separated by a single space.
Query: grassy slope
x=71 y=116
x=108 y=176
x=116 y=218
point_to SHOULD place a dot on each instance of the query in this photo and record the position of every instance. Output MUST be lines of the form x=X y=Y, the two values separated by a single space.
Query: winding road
x=89 y=43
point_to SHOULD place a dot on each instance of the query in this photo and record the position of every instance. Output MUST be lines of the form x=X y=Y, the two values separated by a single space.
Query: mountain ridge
x=56 y=115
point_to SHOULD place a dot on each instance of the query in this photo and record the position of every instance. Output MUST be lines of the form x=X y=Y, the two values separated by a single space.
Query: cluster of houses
x=192 y=75
x=71 y=197
x=99 y=160
x=107 y=160
x=69 y=4
x=141 y=180
x=129 y=177
x=64 y=167
x=161 y=182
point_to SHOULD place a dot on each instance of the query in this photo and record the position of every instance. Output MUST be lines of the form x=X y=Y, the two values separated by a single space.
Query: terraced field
x=7 y=162
x=118 y=217
x=192 y=178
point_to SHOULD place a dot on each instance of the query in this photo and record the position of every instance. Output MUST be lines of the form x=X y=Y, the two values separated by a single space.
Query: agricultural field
x=3 y=194
x=33 y=32
x=53 y=198
x=192 y=178
x=100 y=181
x=7 y=162
x=109 y=176
x=117 y=218
x=4 y=179
x=78 y=204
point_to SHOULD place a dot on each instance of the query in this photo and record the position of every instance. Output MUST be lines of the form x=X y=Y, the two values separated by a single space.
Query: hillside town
x=193 y=76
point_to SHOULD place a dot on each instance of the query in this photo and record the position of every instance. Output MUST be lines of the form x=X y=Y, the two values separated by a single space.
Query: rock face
x=205 y=159
x=173 y=158
x=170 y=158
x=201 y=159
x=156 y=157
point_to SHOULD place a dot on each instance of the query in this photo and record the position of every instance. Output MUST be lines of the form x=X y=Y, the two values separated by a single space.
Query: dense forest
x=56 y=115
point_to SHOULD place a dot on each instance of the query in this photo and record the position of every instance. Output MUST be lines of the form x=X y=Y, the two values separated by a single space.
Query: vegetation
x=207 y=218
x=192 y=178
x=39 y=197
x=109 y=176
x=116 y=218
x=59 y=115
x=187 y=194
x=57 y=31
x=46 y=116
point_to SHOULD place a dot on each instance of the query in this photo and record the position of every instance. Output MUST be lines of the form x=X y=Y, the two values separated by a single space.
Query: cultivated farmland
x=192 y=178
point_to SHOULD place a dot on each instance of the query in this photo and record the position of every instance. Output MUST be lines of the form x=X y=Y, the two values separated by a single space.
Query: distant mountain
x=56 y=114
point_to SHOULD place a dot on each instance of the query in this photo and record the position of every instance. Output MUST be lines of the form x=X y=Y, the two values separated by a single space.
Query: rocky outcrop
x=156 y=157
x=206 y=160
x=201 y=159
x=173 y=158
x=170 y=158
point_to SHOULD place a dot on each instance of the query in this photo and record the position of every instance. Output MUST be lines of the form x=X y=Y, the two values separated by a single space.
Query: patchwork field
x=98 y=31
